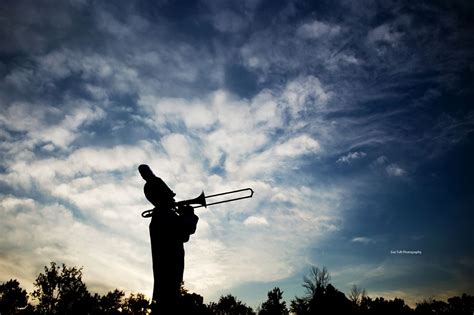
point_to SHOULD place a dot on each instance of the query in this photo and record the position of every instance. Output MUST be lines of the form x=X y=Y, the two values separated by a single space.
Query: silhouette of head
x=146 y=172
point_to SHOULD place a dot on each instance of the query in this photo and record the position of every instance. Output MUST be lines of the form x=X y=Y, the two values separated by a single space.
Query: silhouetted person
x=169 y=229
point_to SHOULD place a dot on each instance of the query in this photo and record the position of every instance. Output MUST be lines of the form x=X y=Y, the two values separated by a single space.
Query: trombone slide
x=200 y=201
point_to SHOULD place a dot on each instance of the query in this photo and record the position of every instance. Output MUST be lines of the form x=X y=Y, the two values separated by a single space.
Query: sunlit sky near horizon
x=351 y=120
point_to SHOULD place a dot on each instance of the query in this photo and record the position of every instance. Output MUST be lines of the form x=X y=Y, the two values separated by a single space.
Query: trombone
x=200 y=201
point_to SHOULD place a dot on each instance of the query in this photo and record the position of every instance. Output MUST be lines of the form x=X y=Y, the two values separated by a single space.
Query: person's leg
x=154 y=308
x=166 y=304
x=168 y=276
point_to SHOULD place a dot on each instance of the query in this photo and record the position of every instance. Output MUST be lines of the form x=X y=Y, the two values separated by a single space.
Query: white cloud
x=194 y=114
x=299 y=145
x=380 y=161
x=274 y=159
x=351 y=156
x=36 y=122
x=255 y=221
x=363 y=240
x=383 y=164
x=235 y=131
x=222 y=109
x=384 y=33
x=395 y=170
x=176 y=146
x=317 y=29
x=305 y=92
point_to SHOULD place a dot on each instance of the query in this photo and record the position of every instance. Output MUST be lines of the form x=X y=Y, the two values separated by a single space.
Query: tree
x=321 y=296
x=431 y=306
x=192 y=303
x=299 y=306
x=380 y=305
x=60 y=290
x=463 y=305
x=229 y=305
x=317 y=281
x=274 y=304
x=136 y=305
x=12 y=297
x=329 y=301
x=356 y=295
x=315 y=285
x=111 y=303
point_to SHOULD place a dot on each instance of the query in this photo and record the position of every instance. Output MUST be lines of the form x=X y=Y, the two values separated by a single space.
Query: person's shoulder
x=153 y=180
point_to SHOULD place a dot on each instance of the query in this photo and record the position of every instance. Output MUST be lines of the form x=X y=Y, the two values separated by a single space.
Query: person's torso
x=165 y=229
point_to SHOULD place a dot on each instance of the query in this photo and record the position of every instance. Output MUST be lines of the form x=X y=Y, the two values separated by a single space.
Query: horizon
x=34 y=301
x=352 y=123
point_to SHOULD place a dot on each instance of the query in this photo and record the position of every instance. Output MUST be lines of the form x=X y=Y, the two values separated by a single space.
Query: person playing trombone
x=169 y=229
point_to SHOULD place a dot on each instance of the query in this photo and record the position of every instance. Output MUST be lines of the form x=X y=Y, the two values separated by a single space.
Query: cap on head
x=145 y=171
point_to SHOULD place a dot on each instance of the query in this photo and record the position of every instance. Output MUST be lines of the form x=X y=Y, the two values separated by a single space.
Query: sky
x=351 y=120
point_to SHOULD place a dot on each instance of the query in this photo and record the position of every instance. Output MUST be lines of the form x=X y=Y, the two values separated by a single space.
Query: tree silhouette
x=229 y=305
x=192 y=303
x=321 y=296
x=463 y=305
x=315 y=285
x=299 y=306
x=329 y=301
x=60 y=290
x=111 y=303
x=13 y=298
x=318 y=279
x=380 y=305
x=357 y=294
x=274 y=304
x=431 y=306
x=136 y=305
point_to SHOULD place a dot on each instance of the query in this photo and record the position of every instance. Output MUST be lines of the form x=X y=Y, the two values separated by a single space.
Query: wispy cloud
x=363 y=240
x=351 y=156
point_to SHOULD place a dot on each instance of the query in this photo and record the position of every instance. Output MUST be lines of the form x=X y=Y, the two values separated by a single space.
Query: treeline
x=59 y=290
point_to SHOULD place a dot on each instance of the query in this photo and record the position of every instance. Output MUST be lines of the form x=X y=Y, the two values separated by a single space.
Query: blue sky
x=352 y=122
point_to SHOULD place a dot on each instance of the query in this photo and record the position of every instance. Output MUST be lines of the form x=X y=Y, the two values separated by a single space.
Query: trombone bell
x=200 y=200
